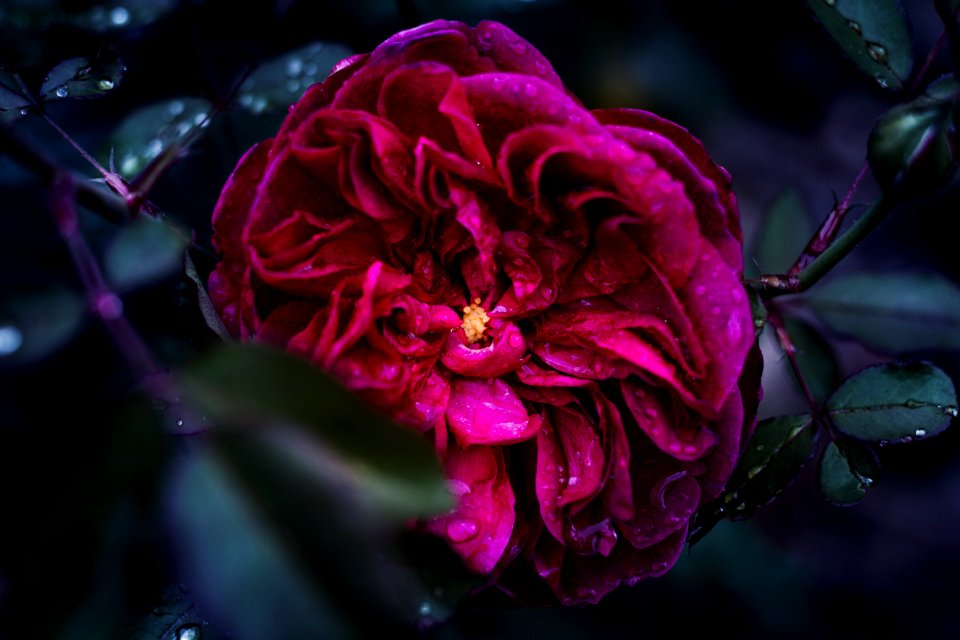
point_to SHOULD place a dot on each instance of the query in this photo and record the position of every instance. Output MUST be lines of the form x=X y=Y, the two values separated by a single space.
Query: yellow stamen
x=475 y=321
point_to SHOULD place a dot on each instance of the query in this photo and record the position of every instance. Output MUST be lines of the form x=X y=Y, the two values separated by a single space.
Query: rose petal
x=479 y=529
x=487 y=412
x=504 y=354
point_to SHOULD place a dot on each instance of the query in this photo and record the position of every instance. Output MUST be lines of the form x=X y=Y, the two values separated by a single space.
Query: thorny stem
x=104 y=303
x=771 y=286
x=104 y=203
x=786 y=344
x=827 y=232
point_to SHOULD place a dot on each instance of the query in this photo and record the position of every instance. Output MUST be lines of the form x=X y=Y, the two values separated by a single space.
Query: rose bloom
x=551 y=295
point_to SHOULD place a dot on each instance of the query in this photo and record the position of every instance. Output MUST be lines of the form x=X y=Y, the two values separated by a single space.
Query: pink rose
x=550 y=294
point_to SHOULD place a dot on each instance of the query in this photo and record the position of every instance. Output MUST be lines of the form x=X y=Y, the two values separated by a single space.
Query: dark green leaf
x=176 y=617
x=35 y=324
x=11 y=96
x=783 y=234
x=209 y=312
x=897 y=312
x=142 y=252
x=873 y=33
x=894 y=402
x=238 y=565
x=774 y=456
x=252 y=385
x=277 y=84
x=154 y=129
x=816 y=358
x=846 y=472
x=82 y=78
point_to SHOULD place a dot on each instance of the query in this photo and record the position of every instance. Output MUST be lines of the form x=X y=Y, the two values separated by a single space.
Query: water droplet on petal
x=462 y=530
x=515 y=340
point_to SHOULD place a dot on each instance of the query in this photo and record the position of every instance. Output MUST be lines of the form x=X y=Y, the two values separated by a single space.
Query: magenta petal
x=487 y=412
x=504 y=354
x=480 y=527
x=665 y=426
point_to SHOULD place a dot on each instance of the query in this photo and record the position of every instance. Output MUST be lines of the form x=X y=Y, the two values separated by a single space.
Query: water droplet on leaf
x=62 y=92
x=105 y=85
x=119 y=16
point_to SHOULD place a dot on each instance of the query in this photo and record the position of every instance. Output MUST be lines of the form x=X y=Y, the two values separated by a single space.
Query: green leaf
x=774 y=456
x=177 y=618
x=896 y=312
x=10 y=93
x=35 y=324
x=239 y=566
x=846 y=471
x=209 y=312
x=894 y=402
x=82 y=78
x=252 y=386
x=143 y=251
x=873 y=33
x=280 y=82
x=155 y=129
x=816 y=358
x=783 y=234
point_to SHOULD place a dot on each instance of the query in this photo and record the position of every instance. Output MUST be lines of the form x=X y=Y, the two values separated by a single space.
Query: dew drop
x=830 y=3
x=855 y=27
x=462 y=530
x=10 y=340
x=175 y=108
x=201 y=119
x=294 y=66
x=154 y=147
x=877 y=52
x=920 y=433
x=23 y=112
x=129 y=164
x=105 y=85
x=950 y=411
x=62 y=92
x=119 y=16
x=515 y=340
x=191 y=632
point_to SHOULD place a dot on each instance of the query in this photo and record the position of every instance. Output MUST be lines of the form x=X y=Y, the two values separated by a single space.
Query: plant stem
x=776 y=285
x=104 y=203
x=828 y=229
x=786 y=344
x=104 y=303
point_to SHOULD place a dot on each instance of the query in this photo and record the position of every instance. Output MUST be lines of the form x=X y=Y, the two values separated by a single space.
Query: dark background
x=760 y=83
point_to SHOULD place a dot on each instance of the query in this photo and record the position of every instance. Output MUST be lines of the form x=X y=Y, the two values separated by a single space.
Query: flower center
x=475 y=321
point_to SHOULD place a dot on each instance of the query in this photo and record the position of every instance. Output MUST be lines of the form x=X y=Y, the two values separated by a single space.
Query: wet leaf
x=774 y=456
x=784 y=233
x=238 y=565
x=896 y=312
x=36 y=324
x=11 y=96
x=874 y=34
x=156 y=129
x=846 y=471
x=894 y=402
x=143 y=252
x=280 y=82
x=82 y=78
x=251 y=386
